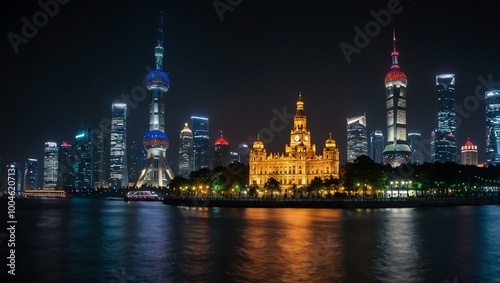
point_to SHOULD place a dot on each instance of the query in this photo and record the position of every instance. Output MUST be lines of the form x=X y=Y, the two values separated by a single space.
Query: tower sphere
x=157 y=79
x=155 y=139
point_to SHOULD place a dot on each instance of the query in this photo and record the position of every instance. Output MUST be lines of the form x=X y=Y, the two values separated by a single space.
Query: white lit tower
x=157 y=172
x=396 y=151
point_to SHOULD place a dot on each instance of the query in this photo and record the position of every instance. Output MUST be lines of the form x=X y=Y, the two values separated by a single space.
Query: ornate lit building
x=299 y=165
x=396 y=151
x=469 y=154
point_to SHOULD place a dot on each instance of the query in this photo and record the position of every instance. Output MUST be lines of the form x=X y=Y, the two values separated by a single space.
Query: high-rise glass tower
x=243 y=153
x=221 y=152
x=31 y=174
x=66 y=166
x=185 y=151
x=84 y=163
x=157 y=171
x=201 y=145
x=396 y=151
x=357 y=138
x=118 y=173
x=377 y=145
x=101 y=158
x=415 y=140
x=18 y=177
x=134 y=162
x=493 y=127
x=50 y=165
x=445 y=143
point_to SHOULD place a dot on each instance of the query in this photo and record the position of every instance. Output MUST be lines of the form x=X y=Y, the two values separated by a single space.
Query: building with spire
x=445 y=136
x=185 y=151
x=221 y=152
x=299 y=164
x=357 y=138
x=396 y=151
x=469 y=154
x=157 y=172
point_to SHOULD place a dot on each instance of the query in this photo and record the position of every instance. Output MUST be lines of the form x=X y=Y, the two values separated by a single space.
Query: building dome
x=330 y=143
x=221 y=141
x=258 y=143
x=157 y=79
x=395 y=75
x=155 y=139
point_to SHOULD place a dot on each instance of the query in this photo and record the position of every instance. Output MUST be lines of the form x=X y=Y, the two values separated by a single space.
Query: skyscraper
x=135 y=162
x=493 y=127
x=101 y=158
x=357 y=138
x=377 y=145
x=221 y=152
x=65 y=168
x=118 y=173
x=31 y=174
x=201 y=145
x=415 y=140
x=445 y=143
x=84 y=163
x=396 y=151
x=243 y=153
x=50 y=165
x=156 y=171
x=469 y=154
x=18 y=177
x=185 y=151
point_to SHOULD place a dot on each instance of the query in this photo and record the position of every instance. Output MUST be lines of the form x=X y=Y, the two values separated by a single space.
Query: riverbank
x=331 y=203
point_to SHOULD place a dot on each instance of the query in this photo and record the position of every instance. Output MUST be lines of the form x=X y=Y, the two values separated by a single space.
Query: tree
x=316 y=185
x=272 y=185
x=177 y=184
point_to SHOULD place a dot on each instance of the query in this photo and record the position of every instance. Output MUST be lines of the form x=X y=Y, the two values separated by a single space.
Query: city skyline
x=240 y=50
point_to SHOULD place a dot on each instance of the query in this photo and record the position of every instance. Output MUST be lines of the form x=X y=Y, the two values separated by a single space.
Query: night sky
x=236 y=71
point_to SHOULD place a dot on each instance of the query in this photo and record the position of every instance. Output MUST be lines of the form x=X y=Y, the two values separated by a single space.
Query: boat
x=142 y=195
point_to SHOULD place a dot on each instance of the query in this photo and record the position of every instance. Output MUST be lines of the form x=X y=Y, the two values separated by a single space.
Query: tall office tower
x=65 y=166
x=101 y=158
x=377 y=145
x=396 y=151
x=18 y=177
x=185 y=151
x=469 y=154
x=118 y=173
x=445 y=143
x=157 y=172
x=31 y=174
x=417 y=155
x=201 y=145
x=84 y=159
x=221 y=152
x=357 y=138
x=50 y=165
x=134 y=162
x=493 y=127
x=234 y=157
x=243 y=153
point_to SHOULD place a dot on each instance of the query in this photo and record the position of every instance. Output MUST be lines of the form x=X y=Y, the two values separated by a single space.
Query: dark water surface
x=89 y=240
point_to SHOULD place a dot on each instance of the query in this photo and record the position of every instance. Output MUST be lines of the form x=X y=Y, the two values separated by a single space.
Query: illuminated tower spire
x=159 y=47
x=397 y=151
x=157 y=172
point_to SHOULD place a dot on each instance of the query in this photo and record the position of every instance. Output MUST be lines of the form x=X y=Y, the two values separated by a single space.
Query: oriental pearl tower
x=157 y=172
x=396 y=151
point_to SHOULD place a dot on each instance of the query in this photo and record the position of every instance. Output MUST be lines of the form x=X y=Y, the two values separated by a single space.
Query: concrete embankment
x=331 y=203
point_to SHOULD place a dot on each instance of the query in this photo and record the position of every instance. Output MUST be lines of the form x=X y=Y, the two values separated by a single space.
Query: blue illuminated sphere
x=155 y=139
x=157 y=79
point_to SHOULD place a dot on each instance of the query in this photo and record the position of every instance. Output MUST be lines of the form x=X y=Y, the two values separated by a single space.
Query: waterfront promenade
x=333 y=202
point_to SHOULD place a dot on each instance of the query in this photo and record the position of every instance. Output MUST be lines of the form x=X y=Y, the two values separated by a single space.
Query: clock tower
x=299 y=133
